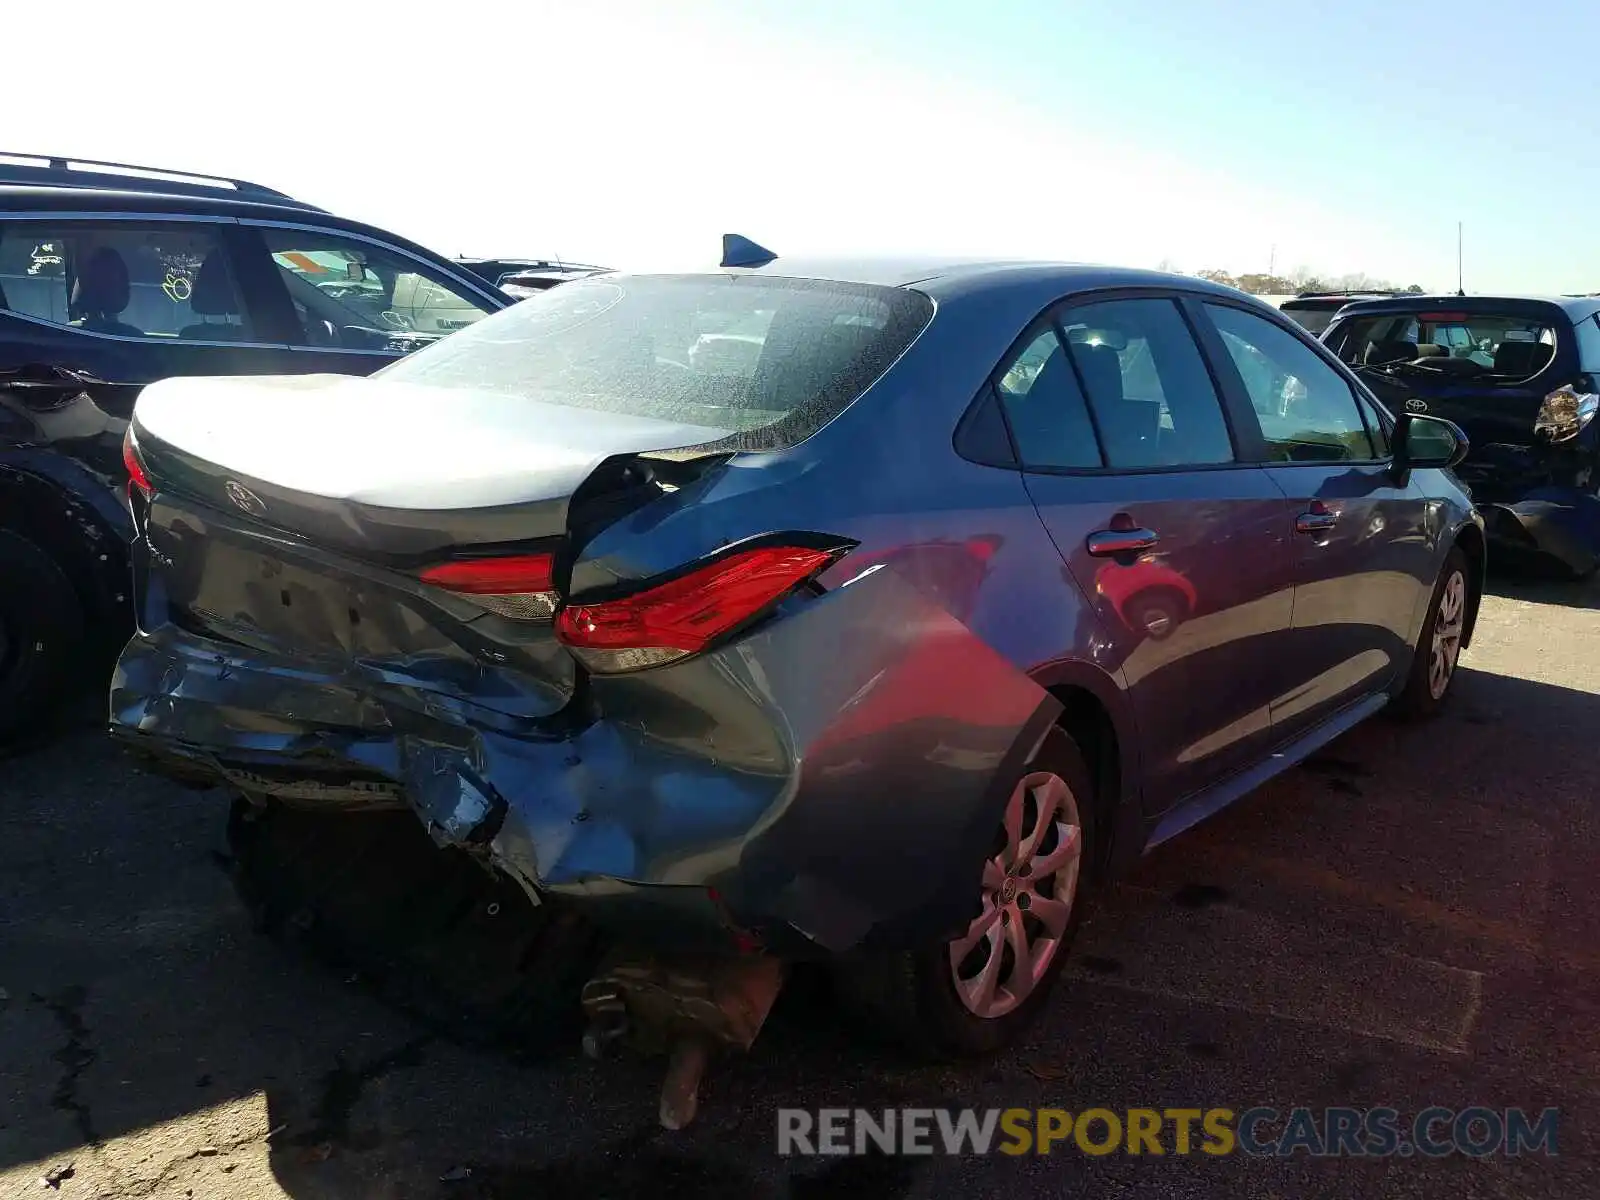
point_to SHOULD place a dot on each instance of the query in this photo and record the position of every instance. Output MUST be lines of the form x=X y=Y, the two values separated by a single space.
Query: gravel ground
x=1405 y=921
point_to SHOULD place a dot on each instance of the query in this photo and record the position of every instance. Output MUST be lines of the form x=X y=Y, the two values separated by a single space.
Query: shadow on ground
x=138 y=999
x=1542 y=582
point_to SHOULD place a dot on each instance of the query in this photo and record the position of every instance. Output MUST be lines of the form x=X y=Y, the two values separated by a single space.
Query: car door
x=350 y=303
x=1181 y=548
x=1363 y=557
x=96 y=308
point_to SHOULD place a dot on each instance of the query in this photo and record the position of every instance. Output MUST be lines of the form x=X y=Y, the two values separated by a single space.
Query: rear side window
x=1150 y=394
x=159 y=280
x=765 y=362
x=1049 y=419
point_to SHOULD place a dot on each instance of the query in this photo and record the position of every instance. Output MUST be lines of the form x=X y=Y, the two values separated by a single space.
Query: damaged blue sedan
x=856 y=612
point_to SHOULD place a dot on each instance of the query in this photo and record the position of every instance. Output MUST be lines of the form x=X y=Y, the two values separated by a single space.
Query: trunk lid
x=292 y=517
x=391 y=471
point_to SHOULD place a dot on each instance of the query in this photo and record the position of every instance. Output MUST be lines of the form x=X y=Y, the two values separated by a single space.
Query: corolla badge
x=244 y=498
x=1415 y=405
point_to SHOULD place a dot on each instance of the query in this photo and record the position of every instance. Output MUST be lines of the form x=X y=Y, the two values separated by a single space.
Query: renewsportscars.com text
x=1320 y=1133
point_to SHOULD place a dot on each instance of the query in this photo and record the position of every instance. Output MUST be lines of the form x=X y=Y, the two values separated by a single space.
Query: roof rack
x=53 y=170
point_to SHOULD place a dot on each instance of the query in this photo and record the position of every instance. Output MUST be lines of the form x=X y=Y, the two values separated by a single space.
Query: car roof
x=1332 y=299
x=1576 y=308
x=948 y=277
x=26 y=197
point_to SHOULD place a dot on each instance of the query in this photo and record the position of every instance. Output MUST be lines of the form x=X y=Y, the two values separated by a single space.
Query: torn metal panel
x=1560 y=523
x=756 y=769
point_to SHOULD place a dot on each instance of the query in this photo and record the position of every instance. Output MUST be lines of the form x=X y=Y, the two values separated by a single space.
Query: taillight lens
x=1565 y=412
x=520 y=587
x=138 y=477
x=685 y=615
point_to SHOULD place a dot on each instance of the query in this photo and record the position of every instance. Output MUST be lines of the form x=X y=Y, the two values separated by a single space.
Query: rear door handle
x=1318 y=520
x=1107 y=543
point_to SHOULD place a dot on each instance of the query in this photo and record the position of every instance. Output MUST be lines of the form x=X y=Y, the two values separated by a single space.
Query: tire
x=912 y=998
x=41 y=636
x=429 y=930
x=1422 y=697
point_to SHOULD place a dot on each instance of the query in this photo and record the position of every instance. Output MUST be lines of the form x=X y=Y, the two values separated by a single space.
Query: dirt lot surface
x=1408 y=920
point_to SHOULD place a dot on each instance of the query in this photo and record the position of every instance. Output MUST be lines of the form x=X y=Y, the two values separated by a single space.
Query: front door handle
x=1108 y=543
x=1318 y=519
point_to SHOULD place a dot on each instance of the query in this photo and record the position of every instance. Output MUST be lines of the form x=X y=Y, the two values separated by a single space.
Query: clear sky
x=1341 y=137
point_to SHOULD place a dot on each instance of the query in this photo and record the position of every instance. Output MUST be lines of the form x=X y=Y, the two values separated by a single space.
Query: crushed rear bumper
x=831 y=779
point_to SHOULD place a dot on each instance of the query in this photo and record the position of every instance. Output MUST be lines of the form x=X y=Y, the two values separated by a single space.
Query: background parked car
x=1522 y=376
x=837 y=638
x=532 y=280
x=521 y=277
x=110 y=279
x=1314 y=311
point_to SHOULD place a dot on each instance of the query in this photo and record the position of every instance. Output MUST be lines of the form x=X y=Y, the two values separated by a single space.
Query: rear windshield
x=1499 y=347
x=1314 y=320
x=770 y=360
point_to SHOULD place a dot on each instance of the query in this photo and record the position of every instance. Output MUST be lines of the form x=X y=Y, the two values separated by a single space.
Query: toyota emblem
x=1415 y=405
x=244 y=498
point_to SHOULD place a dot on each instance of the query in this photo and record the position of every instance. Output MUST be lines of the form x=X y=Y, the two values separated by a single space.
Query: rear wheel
x=1433 y=666
x=977 y=991
x=428 y=929
x=41 y=636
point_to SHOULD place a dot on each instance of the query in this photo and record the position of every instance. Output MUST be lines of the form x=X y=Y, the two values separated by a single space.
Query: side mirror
x=1431 y=443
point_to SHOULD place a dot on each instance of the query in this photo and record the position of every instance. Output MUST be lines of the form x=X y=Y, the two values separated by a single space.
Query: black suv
x=114 y=276
x=1521 y=374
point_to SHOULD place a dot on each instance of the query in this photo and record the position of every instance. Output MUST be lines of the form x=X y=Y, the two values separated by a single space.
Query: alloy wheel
x=1448 y=624
x=1029 y=886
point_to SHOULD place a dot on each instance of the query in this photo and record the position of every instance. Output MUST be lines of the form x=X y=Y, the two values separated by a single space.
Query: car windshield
x=770 y=360
x=1504 y=346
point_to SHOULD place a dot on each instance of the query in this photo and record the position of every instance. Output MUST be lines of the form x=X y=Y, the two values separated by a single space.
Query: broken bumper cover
x=1560 y=523
x=809 y=801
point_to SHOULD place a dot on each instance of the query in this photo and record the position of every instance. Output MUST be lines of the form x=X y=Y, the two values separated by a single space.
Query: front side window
x=354 y=295
x=1153 y=401
x=765 y=362
x=130 y=279
x=1306 y=409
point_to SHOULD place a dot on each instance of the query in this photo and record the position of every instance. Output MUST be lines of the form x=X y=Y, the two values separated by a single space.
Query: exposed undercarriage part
x=431 y=931
x=467 y=951
x=685 y=1007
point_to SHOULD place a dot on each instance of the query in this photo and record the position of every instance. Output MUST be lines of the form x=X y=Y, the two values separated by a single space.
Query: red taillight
x=138 y=477
x=521 y=587
x=685 y=615
x=494 y=576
